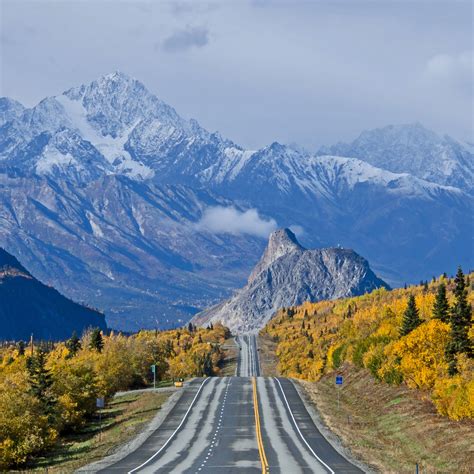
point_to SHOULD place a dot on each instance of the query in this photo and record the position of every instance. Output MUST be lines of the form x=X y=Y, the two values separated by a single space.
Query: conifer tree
x=40 y=381
x=73 y=344
x=97 y=342
x=21 y=348
x=441 y=305
x=411 y=318
x=460 y=323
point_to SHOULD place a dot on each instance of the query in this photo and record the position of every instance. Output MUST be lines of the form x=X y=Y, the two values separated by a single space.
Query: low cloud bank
x=220 y=220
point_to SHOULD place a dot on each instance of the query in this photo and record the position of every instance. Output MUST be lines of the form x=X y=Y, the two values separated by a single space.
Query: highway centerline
x=261 y=448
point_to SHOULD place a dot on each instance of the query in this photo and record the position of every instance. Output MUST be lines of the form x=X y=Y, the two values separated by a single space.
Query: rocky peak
x=9 y=109
x=289 y=275
x=281 y=242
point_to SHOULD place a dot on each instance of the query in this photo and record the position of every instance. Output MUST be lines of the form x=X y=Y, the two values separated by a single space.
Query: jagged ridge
x=288 y=275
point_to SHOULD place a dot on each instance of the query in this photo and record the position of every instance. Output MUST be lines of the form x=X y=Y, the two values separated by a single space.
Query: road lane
x=241 y=425
x=248 y=364
x=285 y=449
x=307 y=430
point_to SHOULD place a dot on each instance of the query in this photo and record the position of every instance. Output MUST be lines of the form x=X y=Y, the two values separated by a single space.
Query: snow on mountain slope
x=413 y=149
x=69 y=149
x=9 y=109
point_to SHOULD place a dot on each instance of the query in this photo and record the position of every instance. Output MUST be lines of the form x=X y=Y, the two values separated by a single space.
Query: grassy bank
x=388 y=427
x=122 y=419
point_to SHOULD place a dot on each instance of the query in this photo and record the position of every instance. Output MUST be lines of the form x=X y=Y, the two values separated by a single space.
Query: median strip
x=261 y=449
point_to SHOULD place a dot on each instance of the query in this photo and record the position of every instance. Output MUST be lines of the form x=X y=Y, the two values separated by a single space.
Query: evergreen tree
x=97 y=342
x=73 y=344
x=40 y=381
x=21 y=348
x=441 y=305
x=460 y=323
x=411 y=318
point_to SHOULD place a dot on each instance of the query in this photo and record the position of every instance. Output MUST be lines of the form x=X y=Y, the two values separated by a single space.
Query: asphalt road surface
x=242 y=424
x=248 y=364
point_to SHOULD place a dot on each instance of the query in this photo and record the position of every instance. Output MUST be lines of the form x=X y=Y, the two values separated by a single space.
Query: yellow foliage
x=454 y=396
x=315 y=338
x=78 y=379
x=24 y=429
x=420 y=355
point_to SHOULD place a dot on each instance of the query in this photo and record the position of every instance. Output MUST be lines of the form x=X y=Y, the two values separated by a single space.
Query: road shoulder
x=132 y=445
x=330 y=436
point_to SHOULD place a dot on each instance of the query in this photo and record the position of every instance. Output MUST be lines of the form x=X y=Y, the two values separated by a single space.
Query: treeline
x=51 y=389
x=421 y=336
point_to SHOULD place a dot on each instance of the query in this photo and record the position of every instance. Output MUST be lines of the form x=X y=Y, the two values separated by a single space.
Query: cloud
x=230 y=220
x=188 y=38
x=452 y=68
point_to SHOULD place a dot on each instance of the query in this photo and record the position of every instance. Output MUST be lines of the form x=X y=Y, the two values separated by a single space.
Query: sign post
x=153 y=369
x=339 y=382
x=100 y=403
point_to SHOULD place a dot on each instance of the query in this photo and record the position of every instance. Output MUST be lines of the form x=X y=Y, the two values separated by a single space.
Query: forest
x=48 y=389
x=421 y=336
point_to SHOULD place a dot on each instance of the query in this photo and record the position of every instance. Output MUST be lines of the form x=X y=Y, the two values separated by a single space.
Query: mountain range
x=104 y=190
x=29 y=307
x=288 y=275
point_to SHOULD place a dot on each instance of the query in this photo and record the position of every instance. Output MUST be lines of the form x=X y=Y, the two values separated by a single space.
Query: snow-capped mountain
x=106 y=184
x=288 y=275
x=9 y=109
x=413 y=149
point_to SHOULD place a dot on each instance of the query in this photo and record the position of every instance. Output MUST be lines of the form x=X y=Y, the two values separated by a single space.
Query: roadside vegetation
x=420 y=337
x=49 y=390
x=123 y=418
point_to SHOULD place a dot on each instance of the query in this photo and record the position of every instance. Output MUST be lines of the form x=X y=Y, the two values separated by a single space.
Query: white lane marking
x=301 y=434
x=174 y=432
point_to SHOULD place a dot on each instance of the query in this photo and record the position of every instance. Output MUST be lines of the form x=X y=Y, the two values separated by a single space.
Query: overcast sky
x=312 y=72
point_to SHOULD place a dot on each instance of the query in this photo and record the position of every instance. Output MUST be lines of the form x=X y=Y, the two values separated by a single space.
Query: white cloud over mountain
x=230 y=220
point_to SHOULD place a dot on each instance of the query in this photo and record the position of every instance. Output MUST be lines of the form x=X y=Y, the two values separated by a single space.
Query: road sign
x=153 y=368
x=339 y=379
x=100 y=403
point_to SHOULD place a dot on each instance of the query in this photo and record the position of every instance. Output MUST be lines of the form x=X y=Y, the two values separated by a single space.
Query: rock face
x=288 y=275
x=29 y=307
x=107 y=185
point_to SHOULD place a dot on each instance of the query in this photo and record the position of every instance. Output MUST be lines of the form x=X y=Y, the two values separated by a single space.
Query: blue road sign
x=339 y=379
x=153 y=368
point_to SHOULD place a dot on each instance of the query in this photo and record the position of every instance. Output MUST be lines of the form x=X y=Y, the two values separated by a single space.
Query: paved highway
x=248 y=364
x=244 y=424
